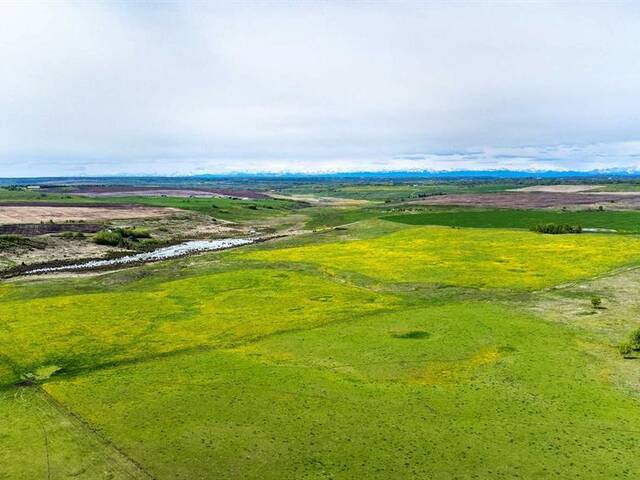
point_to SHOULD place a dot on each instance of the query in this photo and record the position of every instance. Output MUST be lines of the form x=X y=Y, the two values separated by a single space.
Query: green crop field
x=621 y=221
x=380 y=350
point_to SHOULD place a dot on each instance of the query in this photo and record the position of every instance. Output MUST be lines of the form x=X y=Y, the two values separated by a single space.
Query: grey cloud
x=90 y=88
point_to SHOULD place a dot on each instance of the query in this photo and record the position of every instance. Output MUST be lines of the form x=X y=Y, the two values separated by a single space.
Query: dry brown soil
x=12 y=214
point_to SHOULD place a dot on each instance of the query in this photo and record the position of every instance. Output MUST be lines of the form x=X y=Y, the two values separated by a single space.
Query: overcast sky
x=92 y=88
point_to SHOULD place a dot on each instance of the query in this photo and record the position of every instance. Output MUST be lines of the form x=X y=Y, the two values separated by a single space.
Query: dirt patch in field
x=321 y=201
x=533 y=200
x=17 y=214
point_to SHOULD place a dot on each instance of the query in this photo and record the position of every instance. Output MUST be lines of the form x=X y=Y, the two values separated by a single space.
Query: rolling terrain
x=445 y=343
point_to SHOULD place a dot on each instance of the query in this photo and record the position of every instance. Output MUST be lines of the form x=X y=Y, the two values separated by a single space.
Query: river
x=179 y=250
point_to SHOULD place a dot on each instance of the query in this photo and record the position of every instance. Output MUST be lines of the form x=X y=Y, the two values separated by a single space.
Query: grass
x=620 y=187
x=80 y=332
x=223 y=208
x=17 y=242
x=489 y=394
x=313 y=358
x=622 y=221
x=26 y=195
x=38 y=440
x=470 y=258
x=327 y=217
x=394 y=191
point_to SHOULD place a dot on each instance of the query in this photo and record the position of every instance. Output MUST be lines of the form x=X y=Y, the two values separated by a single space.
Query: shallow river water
x=164 y=253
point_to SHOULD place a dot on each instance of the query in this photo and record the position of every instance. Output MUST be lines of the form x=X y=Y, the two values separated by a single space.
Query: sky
x=108 y=88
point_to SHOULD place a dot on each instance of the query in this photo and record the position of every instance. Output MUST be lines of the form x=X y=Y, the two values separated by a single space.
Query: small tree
x=596 y=302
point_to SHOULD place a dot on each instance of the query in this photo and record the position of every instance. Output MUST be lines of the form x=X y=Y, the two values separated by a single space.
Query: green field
x=621 y=221
x=395 y=191
x=85 y=331
x=223 y=208
x=327 y=217
x=380 y=350
x=468 y=257
x=356 y=400
x=620 y=187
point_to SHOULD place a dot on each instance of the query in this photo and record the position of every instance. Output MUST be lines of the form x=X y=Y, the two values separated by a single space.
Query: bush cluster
x=72 y=235
x=120 y=237
x=631 y=346
x=556 y=228
x=12 y=242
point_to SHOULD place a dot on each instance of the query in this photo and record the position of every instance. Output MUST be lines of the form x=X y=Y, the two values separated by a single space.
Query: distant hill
x=593 y=175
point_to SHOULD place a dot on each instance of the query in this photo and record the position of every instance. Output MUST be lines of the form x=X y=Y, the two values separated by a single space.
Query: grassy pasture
x=468 y=257
x=325 y=217
x=224 y=208
x=622 y=221
x=38 y=440
x=293 y=360
x=394 y=191
x=620 y=187
x=485 y=393
x=77 y=332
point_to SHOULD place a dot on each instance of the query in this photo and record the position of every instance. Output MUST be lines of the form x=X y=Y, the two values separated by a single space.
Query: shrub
x=133 y=232
x=634 y=339
x=120 y=237
x=596 y=302
x=72 y=235
x=108 y=237
x=625 y=349
x=556 y=229
x=633 y=345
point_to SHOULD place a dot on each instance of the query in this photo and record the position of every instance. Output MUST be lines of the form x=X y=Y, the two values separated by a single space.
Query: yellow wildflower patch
x=469 y=257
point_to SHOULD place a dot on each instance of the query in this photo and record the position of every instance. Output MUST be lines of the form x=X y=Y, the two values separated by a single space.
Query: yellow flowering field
x=469 y=257
x=83 y=331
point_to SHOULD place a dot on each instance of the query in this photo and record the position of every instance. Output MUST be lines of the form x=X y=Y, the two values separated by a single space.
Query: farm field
x=319 y=240
x=220 y=207
x=536 y=199
x=62 y=225
x=621 y=221
x=394 y=191
x=379 y=349
x=470 y=258
x=481 y=390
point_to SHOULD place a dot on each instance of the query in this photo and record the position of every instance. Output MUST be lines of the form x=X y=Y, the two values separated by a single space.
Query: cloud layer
x=105 y=88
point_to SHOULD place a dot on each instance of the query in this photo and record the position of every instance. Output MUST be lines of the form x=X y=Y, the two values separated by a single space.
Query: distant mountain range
x=592 y=175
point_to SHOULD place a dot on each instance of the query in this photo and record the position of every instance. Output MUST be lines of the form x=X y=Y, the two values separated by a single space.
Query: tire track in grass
x=45 y=437
x=127 y=465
